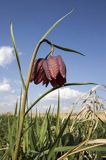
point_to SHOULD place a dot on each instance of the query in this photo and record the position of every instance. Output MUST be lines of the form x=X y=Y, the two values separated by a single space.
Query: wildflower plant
x=50 y=69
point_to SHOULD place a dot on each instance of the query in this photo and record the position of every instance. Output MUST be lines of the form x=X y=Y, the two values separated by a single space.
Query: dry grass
x=100 y=114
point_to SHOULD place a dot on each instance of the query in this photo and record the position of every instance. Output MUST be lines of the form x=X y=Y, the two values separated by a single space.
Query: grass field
x=82 y=136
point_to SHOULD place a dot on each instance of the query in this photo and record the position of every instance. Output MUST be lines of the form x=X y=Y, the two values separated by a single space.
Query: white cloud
x=8 y=96
x=7 y=103
x=65 y=94
x=6 y=55
x=5 y=86
x=67 y=97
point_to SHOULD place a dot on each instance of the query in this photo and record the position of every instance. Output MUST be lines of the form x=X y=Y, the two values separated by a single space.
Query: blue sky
x=84 y=30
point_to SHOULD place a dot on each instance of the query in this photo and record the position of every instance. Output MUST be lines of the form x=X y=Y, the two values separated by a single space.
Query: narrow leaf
x=16 y=54
x=58 y=115
x=84 y=148
x=51 y=90
x=67 y=49
x=61 y=48
x=51 y=151
x=16 y=108
x=55 y=24
x=43 y=130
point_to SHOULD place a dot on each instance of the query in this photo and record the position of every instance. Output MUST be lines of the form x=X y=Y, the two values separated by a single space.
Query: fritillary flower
x=51 y=70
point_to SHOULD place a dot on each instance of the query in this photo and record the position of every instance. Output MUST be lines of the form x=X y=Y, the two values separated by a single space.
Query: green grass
x=52 y=136
x=41 y=140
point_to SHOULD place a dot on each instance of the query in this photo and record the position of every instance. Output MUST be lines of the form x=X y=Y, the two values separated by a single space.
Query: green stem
x=58 y=116
x=19 y=135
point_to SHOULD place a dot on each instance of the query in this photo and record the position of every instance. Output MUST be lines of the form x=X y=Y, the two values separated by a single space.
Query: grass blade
x=67 y=49
x=43 y=130
x=98 y=148
x=58 y=115
x=16 y=54
x=51 y=90
x=84 y=148
x=51 y=151
x=55 y=24
x=16 y=108
x=61 y=48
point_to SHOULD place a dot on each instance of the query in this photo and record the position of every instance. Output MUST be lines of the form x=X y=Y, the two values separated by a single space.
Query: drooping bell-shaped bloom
x=38 y=74
x=51 y=70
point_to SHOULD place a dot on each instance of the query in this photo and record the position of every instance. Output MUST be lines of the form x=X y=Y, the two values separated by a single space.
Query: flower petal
x=61 y=80
x=39 y=77
x=53 y=66
x=45 y=81
x=39 y=65
x=46 y=70
x=62 y=66
x=33 y=72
